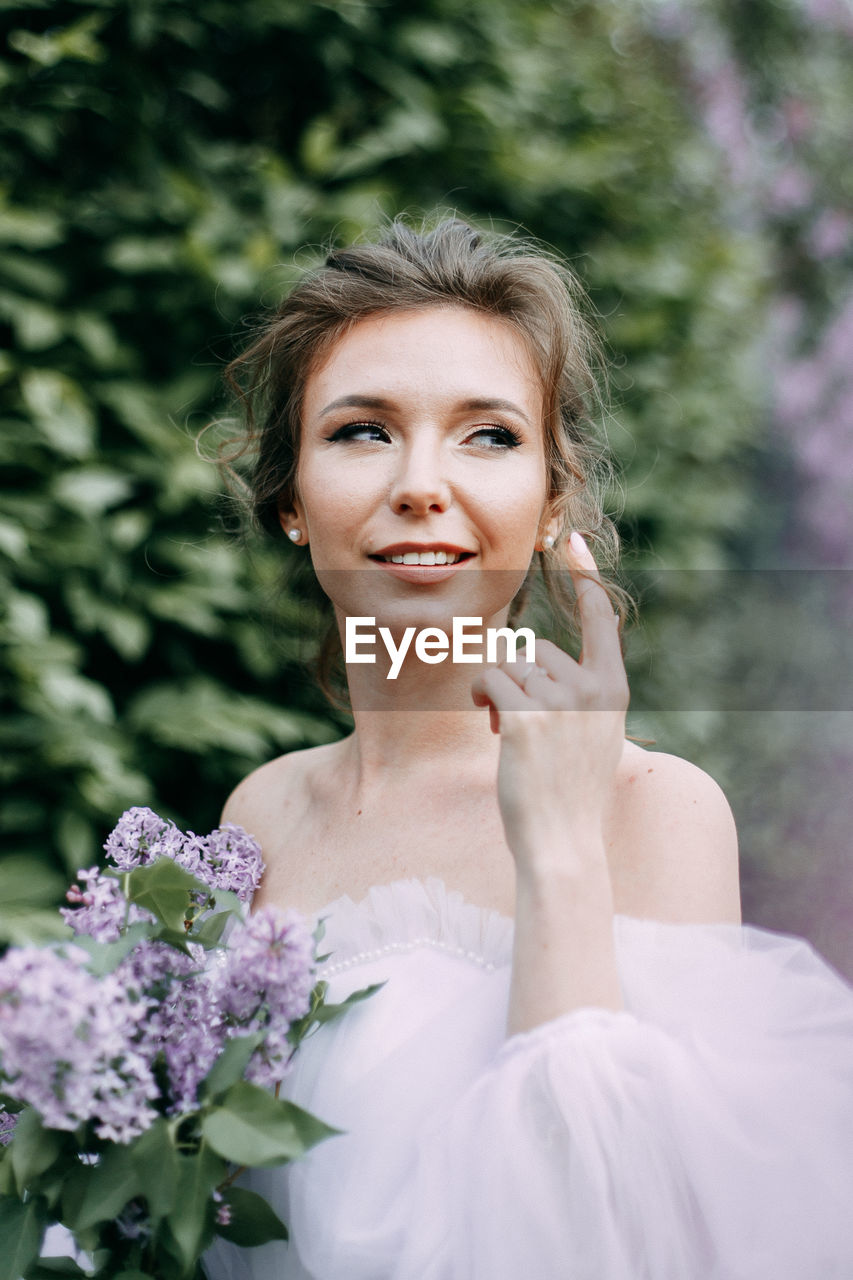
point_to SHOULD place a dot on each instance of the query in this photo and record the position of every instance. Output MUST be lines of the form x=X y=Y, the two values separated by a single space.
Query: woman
x=579 y=1065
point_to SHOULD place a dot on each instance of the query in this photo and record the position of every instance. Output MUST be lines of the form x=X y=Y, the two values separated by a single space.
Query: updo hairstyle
x=453 y=264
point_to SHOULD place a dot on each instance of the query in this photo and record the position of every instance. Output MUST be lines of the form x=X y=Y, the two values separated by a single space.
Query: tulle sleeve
x=707 y=1133
x=704 y=1134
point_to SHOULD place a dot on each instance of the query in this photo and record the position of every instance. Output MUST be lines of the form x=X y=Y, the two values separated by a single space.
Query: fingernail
x=578 y=543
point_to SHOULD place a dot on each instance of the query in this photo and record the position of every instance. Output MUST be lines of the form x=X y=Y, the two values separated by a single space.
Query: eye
x=371 y=431
x=496 y=437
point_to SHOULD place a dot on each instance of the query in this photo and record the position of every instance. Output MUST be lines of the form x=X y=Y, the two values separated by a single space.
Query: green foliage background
x=162 y=166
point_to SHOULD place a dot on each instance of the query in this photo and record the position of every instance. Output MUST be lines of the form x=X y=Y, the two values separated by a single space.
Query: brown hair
x=453 y=264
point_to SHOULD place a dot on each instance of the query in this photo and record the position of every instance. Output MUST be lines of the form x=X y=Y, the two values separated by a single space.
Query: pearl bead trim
x=363 y=957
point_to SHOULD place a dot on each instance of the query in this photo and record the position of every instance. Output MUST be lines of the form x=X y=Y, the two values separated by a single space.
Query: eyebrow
x=477 y=404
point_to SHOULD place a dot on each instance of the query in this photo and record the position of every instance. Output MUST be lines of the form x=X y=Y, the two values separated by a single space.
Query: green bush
x=163 y=167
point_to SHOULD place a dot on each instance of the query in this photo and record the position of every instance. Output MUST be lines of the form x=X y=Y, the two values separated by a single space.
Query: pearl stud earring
x=294 y=534
x=548 y=541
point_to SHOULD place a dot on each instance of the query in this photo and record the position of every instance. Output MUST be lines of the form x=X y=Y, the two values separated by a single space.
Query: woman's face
x=422 y=439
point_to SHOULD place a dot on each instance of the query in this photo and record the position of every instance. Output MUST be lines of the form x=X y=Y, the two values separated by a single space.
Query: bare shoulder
x=672 y=841
x=270 y=797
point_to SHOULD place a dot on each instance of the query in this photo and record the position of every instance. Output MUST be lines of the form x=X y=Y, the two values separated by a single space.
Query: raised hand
x=562 y=728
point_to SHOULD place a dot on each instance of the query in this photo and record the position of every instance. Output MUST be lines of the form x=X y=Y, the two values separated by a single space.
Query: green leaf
x=22 y=926
x=60 y=409
x=209 y=932
x=253 y=1222
x=155 y=1160
x=175 y=939
x=99 y=1193
x=191 y=1217
x=28 y=881
x=163 y=888
x=230 y=1065
x=254 y=1128
x=21 y=1230
x=76 y=41
x=49 y=1268
x=34 y=1148
x=91 y=490
x=328 y=1012
x=105 y=957
x=30 y=228
x=8 y=1186
x=320 y=1012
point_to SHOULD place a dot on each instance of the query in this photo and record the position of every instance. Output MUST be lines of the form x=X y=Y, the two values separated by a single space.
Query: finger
x=550 y=659
x=494 y=689
x=599 y=623
x=538 y=685
x=520 y=671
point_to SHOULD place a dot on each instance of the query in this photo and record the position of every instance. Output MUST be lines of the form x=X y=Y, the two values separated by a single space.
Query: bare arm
x=674 y=857
x=667 y=833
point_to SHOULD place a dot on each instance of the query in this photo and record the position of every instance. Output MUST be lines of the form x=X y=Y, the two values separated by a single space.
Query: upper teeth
x=425 y=557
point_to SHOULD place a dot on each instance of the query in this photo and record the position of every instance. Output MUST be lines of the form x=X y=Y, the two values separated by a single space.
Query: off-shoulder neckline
x=406 y=914
x=434 y=887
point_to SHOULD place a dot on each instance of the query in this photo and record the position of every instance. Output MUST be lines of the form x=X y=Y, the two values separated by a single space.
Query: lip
x=402 y=548
x=421 y=574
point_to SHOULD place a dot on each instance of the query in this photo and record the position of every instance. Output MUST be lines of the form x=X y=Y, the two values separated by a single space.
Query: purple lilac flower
x=228 y=859
x=184 y=1024
x=68 y=1044
x=99 y=908
x=7 y=1126
x=139 y=837
x=151 y=966
x=267 y=978
x=187 y=1028
x=223 y=1210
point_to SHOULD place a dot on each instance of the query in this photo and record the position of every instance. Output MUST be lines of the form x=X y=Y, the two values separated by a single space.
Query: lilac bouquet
x=140 y=1060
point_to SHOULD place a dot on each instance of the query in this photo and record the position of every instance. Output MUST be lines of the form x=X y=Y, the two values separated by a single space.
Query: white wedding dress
x=704 y=1134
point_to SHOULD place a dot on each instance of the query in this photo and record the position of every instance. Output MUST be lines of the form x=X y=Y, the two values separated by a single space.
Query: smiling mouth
x=425 y=557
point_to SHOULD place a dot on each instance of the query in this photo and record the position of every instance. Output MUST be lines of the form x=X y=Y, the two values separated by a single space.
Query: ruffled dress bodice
x=705 y=1133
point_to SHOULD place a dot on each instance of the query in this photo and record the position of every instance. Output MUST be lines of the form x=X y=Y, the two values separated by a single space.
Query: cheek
x=331 y=510
x=519 y=500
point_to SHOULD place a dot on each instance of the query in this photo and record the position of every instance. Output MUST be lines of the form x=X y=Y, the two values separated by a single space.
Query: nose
x=420 y=484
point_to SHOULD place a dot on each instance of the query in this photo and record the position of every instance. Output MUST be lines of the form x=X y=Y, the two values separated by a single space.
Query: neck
x=423 y=720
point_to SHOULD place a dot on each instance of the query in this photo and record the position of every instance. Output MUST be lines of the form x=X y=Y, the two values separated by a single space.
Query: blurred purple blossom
x=789 y=190
x=830 y=234
x=7 y=1126
x=223 y=1211
x=68 y=1044
x=722 y=96
x=187 y=1029
x=151 y=965
x=836 y=14
x=267 y=979
x=783 y=186
x=99 y=909
x=814 y=410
